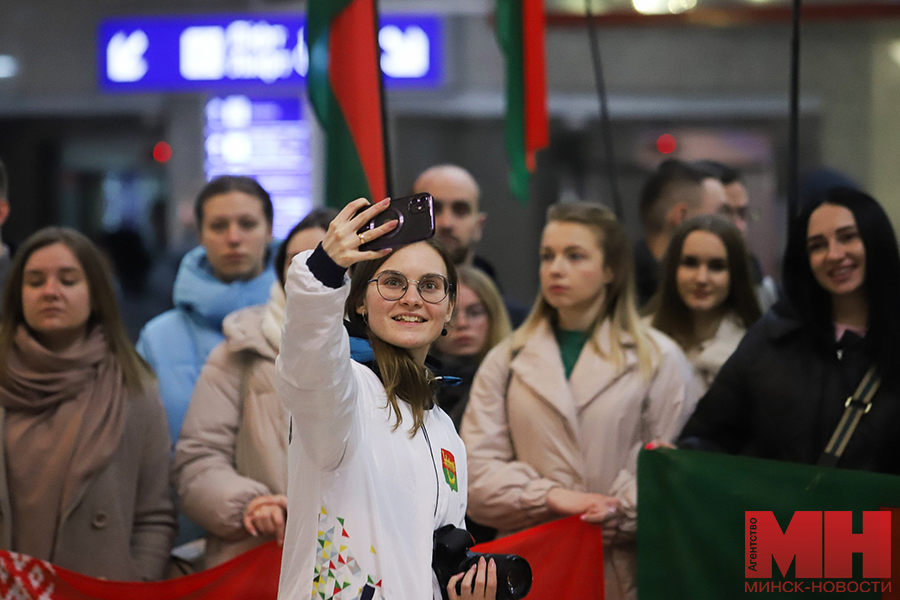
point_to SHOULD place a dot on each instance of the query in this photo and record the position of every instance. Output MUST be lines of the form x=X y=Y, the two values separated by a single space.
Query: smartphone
x=416 y=222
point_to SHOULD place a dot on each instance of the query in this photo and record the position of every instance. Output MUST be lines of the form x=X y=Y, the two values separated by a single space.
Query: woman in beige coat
x=231 y=457
x=84 y=445
x=559 y=411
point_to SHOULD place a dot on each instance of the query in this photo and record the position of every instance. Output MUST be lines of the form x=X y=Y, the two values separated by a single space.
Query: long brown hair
x=619 y=301
x=670 y=314
x=402 y=376
x=104 y=307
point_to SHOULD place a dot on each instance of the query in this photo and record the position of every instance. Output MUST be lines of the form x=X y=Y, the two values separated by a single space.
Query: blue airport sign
x=250 y=52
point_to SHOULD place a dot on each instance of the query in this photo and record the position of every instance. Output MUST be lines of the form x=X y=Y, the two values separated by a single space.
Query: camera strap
x=856 y=406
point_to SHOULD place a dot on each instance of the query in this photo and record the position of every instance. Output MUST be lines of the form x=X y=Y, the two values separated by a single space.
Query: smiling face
x=56 y=300
x=837 y=255
x=235 y=233
x=574 y=274
x=703 y=277
x=409 y=322
x=468 y=329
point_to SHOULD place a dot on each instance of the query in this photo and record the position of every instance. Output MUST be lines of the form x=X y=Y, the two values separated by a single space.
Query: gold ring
x=362 y=240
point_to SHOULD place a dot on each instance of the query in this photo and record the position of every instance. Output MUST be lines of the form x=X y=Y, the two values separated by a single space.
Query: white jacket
x=364 y=498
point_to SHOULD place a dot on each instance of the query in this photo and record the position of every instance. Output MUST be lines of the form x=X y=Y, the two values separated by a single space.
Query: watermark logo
x=820 y=545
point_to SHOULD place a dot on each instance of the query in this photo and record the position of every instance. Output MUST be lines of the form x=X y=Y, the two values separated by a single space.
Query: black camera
x=451 y=556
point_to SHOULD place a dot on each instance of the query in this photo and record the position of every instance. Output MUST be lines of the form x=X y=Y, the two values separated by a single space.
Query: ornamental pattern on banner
x=25 y=578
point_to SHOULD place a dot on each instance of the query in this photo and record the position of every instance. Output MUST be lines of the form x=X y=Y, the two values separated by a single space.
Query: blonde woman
x=559 y=411
x=479 y=323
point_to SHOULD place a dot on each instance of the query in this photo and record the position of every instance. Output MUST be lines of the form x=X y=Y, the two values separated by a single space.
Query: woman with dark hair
x=230 y=466
x=782 y=394
x=705 y=300
x=374 y=466
x=559 y=411
x=85 y=447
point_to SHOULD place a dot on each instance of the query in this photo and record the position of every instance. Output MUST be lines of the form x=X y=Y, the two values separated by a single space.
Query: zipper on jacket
x=437 y=479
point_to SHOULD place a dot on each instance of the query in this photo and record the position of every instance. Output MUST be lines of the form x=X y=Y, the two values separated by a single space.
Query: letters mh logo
x=820 y=543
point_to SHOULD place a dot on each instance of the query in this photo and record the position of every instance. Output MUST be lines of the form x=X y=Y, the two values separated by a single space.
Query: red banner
x=566 y=559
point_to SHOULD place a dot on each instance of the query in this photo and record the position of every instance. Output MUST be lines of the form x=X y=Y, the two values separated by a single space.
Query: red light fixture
x=666 y=143
x=162 y=152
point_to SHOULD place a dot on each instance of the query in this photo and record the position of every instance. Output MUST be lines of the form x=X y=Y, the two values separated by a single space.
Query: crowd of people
x=316 y=394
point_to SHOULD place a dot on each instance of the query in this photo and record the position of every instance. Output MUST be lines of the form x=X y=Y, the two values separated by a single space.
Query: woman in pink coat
x=559 y=411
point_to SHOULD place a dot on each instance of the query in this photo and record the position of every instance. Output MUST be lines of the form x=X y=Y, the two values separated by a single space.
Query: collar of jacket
x=201 y=294
x=538 y=365
x=783 y=321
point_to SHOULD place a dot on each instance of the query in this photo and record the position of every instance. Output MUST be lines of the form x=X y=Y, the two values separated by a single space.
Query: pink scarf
x=65 y=413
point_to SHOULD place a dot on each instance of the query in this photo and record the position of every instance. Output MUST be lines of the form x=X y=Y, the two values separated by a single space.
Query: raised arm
x=315 y=378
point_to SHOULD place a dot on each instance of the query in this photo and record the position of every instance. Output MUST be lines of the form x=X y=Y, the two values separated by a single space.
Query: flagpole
x=793 y=185
x=388 y=179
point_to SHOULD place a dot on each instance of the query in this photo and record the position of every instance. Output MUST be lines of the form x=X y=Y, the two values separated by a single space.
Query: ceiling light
x=9 y=66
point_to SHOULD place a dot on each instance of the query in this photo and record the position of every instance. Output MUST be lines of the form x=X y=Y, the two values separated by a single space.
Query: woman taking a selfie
x=374 y=467
x=782 y=394
x=706 y=299
x=85 y=445
x=559 y=411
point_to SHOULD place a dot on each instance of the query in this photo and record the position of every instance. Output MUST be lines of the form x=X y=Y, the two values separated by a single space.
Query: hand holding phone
x=343 y=241
x=415 y=223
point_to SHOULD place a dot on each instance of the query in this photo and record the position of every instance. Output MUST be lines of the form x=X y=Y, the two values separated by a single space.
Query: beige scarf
x=261 y=446
x=65 y=413
x=273 y=320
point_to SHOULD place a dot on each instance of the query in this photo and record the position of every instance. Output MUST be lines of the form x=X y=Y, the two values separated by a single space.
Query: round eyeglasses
x=392 y=286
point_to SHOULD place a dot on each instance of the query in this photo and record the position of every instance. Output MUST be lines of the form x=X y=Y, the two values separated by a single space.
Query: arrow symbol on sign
x=125 y=57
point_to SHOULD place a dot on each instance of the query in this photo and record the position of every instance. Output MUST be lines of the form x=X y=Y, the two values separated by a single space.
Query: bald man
x=457 y=220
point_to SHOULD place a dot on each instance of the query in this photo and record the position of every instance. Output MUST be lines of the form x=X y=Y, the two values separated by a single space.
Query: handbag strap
x=856 y=406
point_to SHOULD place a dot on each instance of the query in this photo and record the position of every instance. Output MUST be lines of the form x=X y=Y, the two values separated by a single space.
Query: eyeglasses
x=392 y=286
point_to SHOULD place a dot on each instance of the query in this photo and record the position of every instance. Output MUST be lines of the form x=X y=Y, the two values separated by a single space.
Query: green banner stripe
x=691 y=517
x=345 y=178
x=509 y=37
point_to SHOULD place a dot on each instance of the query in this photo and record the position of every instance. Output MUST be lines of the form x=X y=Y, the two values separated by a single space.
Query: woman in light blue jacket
x=229 y=271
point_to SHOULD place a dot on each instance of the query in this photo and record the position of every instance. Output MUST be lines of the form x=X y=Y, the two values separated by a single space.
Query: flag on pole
x=520 y=32
x=696 y=539
x=344 y=84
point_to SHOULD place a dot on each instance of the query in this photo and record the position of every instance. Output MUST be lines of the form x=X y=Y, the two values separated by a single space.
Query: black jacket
x=782 y=393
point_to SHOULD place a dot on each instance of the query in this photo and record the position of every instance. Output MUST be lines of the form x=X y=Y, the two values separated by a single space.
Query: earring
x=444 y=331
x=365 y=317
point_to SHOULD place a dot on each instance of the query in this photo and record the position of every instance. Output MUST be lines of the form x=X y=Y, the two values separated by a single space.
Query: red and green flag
x=344 y=84
x=700 y=528
x=520 y=32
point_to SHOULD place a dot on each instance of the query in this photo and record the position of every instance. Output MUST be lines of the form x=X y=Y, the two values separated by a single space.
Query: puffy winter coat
x=364 y=497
